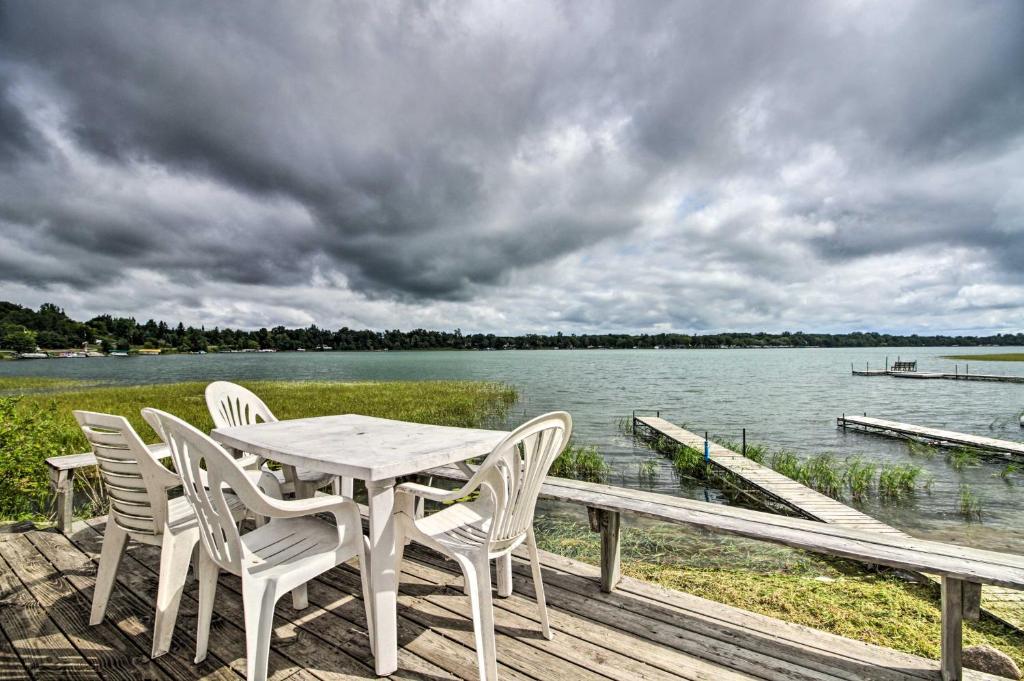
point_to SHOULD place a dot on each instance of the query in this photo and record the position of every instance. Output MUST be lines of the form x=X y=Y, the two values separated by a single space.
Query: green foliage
x=915 y=448
x=17 y=338
x=30 y=432
x=822 y=472
x=36 y=426
x=970 y=504
x=580 y=462
x=787 y=463
x=898 y=481
x=859 y=478
x=647 y=471
x=1008 y=470
x=962 y=457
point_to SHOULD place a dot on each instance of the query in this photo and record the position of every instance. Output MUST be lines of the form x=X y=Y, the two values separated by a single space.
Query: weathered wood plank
x=885 y=426
x=952 y=629
x=45 y=652
x=127 y=614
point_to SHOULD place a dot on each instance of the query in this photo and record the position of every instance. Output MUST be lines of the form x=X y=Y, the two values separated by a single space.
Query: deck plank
x=45 y=652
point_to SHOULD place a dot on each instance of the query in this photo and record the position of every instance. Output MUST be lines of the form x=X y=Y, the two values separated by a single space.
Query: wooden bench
x=903 y=366
x=62 y=480
x=962 y=570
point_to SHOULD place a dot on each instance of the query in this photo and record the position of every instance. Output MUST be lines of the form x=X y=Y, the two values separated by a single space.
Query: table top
x=362 y=447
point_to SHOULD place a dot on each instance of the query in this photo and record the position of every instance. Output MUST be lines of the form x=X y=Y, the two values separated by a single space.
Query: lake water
x=784 y=398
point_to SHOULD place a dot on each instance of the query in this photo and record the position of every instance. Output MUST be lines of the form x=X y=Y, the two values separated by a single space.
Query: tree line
x=23 y=329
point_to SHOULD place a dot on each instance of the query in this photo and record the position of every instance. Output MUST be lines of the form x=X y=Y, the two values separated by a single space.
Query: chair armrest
x=432 y=493
x=296 y=508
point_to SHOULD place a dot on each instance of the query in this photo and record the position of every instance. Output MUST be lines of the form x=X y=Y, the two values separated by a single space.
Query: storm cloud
x=516 y=167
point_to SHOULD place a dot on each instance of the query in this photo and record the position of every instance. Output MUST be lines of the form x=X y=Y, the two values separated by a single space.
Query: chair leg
x=478 y=577
x=258 y=600
x=114 y=540
x=538 y=584
x=348 y=487
x=175 y=554
x=300 y=597
x=207 y=575
x=364 y=578
x=504 y=570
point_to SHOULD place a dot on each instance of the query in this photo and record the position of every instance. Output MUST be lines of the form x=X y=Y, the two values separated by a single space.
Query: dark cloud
x=433 y=156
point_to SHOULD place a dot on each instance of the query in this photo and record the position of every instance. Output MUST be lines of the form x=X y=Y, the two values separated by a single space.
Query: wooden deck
x=1005 y=605
x=638 y=632
x=927 y=375
x=936 y=435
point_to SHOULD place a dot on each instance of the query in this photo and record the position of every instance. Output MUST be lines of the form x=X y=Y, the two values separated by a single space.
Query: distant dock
x=937 y=436
x=1005 y=605
x=909 y=370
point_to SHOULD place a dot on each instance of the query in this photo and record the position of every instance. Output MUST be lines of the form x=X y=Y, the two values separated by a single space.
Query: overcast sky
x=514 y=167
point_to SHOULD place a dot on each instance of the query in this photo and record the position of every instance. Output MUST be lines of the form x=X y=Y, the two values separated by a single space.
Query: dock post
x=707 y=449
x=967 y=369
x=887 y=362
x=851 y=367
x=744 y=442
x=844 y=420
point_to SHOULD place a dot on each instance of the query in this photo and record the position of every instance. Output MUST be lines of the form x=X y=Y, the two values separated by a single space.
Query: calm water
x=784 y=398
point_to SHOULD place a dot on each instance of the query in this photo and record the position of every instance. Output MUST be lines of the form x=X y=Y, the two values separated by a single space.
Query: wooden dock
x=933 y=375
x=932 y=435
x=801 y=499
x=640 y=631
x=1005 y=605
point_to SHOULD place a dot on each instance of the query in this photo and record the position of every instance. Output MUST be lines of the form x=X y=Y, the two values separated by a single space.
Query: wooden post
x=972 y=601
x=607 y=523
x=63 y=483
x=952 y=629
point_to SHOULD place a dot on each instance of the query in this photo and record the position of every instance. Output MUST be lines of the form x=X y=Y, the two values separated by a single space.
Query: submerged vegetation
x=34 y=426
x=970 y=504
x=837 y=596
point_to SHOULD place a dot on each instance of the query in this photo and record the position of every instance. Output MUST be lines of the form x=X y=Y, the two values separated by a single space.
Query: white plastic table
x=376 y=451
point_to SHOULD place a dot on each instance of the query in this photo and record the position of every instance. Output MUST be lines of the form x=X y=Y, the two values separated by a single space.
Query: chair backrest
x=514 y=471
x=232 y=405
x=193 y=451
x=135 y=481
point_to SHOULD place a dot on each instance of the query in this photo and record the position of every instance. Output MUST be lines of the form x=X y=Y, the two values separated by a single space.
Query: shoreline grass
x=38 y=425
x=836 y=596
x=990 y=357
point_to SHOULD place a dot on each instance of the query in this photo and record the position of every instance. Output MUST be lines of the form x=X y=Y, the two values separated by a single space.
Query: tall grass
x=970 y=504
x=580 y=462
x=898 y=481
x=34 y=426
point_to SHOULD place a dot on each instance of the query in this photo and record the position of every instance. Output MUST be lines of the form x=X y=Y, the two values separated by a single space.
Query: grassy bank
x=835 y=596
x=990 y=357
x=36 y=425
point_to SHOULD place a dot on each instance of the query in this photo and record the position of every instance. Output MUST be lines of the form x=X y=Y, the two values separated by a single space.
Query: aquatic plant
x=961 y=457
x=898 y=481
x=821 y=472
x=915 y=448
x=1008 y=470
x=970 y=504
x=580 y=462
x=689 y=462
x=787 y=463
x=859 y=477
x=647 y=471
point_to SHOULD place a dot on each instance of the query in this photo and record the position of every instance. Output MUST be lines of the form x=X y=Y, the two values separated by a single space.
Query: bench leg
x=63 y=484
x=607 y=523
x=952 y=629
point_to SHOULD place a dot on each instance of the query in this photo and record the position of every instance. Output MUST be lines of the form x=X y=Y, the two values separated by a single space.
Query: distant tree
x=18 y=338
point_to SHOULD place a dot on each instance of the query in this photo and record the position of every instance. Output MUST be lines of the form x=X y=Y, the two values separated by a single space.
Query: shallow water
x=784 y=398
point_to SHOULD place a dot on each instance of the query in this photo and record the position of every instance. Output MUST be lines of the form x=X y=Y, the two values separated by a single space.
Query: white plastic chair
x=136 y=484
x=292 y=548
x=232 y=405
x=493 y=525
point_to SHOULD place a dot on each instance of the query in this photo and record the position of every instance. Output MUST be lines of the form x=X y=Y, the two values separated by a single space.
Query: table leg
x=383 y=574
